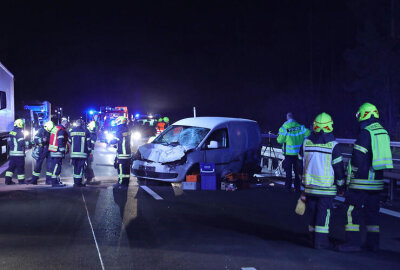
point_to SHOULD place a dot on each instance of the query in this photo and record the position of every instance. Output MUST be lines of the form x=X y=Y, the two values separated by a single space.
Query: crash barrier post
x=269 y=158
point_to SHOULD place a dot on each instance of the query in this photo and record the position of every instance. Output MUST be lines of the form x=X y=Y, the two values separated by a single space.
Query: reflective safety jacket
x=160 y=127
x=371 y=155
x=58 y=141
x=79 y=140
x=16 y=143
x=123 y=141
x=323 y=167
x=292 y=135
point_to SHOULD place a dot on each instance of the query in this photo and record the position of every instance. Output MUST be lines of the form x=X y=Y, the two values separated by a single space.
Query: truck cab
x=7 y=110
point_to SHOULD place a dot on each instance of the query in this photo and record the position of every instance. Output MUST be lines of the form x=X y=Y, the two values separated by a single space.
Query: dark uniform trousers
x=355 y=199
x=17 y=164
x=89 y=173
x=319 y=209
x=55 y=169
x=78 y=166
x=124 y=171
x=43 y=154
x=290 y=163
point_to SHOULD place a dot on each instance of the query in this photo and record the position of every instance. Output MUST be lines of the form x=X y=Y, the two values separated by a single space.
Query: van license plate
x=149 y=169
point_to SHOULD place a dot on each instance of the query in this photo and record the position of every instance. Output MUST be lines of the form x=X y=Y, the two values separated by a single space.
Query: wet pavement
x=98 y=227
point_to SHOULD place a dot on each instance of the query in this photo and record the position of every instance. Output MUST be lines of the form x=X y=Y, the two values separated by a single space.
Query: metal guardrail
x=276 y=153
x=339 y=140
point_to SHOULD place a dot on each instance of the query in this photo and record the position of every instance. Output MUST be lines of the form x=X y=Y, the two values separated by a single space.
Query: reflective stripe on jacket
x=123 y=140
x=318 y=173
x=79 y=140
x=292 y=135
x=380 y=145
x=16 y=143
x=58 y=139
x=371 y=154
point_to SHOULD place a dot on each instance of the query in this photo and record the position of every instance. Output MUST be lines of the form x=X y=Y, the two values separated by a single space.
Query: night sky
x=248 y=59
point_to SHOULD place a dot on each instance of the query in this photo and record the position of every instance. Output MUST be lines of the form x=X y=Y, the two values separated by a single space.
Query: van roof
x=6 y=70
x=209 y=122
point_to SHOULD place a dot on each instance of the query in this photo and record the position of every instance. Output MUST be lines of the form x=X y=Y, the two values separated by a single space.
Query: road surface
x=163 y=227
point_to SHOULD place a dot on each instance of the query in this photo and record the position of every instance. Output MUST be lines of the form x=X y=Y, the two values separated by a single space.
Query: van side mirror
x=212 y=145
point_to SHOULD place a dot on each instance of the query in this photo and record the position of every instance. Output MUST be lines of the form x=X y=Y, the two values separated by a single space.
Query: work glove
x=301 y=205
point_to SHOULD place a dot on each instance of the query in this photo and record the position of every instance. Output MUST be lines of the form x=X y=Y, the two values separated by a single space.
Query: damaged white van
x=233 y=145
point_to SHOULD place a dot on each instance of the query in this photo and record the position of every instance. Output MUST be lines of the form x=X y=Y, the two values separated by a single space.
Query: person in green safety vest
x=371 y=156
x=323 y=176
x=291 y=136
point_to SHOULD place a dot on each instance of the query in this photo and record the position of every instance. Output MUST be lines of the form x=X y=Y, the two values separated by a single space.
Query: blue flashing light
x=113 y=123
x=137 y=115
x=91 y=112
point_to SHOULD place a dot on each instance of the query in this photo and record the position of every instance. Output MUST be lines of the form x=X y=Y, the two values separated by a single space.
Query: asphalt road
x=100 y=228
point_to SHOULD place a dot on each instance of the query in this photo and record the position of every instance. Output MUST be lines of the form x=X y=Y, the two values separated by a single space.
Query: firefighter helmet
x=78 y=123
x=92 y=126
x=48 y=126
x=366 y=111
x=19 y=123
x=166 y=120
x=323 y=122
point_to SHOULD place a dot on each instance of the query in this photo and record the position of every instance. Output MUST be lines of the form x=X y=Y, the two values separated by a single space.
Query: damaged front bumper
x=158 y=171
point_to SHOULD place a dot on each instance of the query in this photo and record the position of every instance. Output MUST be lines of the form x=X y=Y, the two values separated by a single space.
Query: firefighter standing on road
x=40 y=152
x=79 y=139
x=16 y=144
x=323 y=172
x=58 y=150
x=89 y=173
x=371 y=155
x=123 y=158
x=291 y=135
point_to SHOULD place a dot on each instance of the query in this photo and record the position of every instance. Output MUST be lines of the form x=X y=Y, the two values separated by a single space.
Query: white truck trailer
x=7 y=110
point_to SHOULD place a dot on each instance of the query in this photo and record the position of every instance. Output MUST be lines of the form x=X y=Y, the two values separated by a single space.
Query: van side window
x=3 y=100
x=220 y=136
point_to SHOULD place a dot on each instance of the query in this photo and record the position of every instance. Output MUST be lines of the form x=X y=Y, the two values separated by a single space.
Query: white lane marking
x=381 y=210
x=248 y=268
x=4 y=167
x=390 y=212
x=341 y=199
x=94 y=236
x=152 y=193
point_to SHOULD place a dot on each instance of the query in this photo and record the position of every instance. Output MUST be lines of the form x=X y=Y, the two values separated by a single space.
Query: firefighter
x=123 y=158
x=40 y=152
x=16 y=144
x=57 y=151
x=371 y=156
x=80 y=141
x=160 y=126
x=89 y=173
x=291 y=136
x=323 y=175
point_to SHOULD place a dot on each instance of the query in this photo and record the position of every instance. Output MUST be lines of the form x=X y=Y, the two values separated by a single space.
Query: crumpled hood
x=162 y=153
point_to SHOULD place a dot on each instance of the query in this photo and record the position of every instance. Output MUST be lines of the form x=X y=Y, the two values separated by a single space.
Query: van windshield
x=190 y=137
